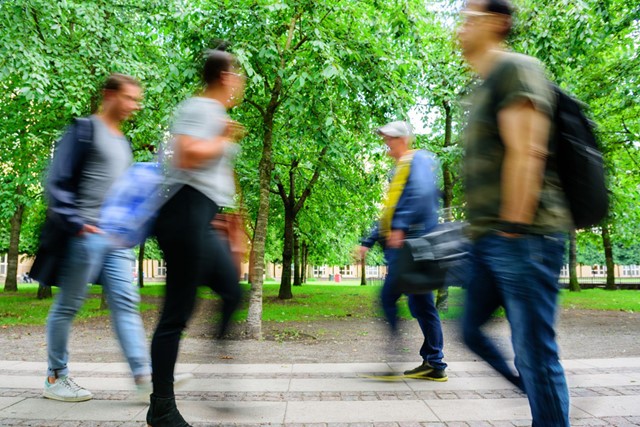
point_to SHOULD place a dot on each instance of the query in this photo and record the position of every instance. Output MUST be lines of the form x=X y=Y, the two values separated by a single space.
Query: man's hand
x=395 y=239
x=89 y=229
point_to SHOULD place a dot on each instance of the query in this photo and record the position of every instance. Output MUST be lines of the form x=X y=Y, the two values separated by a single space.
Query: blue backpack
x=132 y=204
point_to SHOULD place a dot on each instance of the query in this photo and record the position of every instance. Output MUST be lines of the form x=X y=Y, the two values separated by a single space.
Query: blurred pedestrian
x=80 y=175
x=410 y=210
x=205 y=144
x=516 y=210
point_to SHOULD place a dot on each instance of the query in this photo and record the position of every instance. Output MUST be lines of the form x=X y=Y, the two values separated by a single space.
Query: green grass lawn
x=23 y=308
x=326 y=301
x=599 y=299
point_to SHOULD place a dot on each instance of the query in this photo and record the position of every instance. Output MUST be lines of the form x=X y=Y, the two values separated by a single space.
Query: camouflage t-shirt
x=514 y=78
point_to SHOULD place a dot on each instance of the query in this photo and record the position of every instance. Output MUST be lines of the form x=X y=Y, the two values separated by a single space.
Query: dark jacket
x=417 y=209
x=61 y=187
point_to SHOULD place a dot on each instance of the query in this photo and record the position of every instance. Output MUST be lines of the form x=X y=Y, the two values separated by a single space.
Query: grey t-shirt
x=108 y=158
x=205 y=118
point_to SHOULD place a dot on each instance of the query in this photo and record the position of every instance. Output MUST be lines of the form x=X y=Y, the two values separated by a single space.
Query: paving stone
x=619 y=422
x=512 y=394
x=489 y=394
x=584 y=392
x=446 y=395
x=589 y=422
x=225 y=400
x=8 y=422
x=427 y=395
x=467 y=394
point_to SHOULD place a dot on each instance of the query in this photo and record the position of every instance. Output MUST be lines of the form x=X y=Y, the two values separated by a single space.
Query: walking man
x=516 y=210
x=410 y=210
x=81 y=173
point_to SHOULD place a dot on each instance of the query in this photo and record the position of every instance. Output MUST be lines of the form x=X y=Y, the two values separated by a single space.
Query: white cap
x=396 y=129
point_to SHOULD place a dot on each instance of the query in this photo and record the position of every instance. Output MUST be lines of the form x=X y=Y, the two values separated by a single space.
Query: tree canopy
x=320 y=78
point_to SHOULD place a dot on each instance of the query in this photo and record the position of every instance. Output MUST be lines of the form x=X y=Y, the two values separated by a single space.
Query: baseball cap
x=396 y=129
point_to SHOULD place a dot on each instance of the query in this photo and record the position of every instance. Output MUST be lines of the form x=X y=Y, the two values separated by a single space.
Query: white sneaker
x=143 y=388
x=66 y=390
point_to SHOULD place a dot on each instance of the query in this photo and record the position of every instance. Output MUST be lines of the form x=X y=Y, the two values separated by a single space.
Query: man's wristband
x=514 y=227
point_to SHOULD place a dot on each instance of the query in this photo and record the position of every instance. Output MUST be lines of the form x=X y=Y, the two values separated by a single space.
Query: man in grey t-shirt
x=80 y=176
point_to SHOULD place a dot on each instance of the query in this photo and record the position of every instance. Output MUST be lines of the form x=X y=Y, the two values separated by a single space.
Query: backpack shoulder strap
x=84 y=128
x=84 y=139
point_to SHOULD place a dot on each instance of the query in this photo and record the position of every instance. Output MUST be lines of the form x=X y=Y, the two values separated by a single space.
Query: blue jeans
x=90 y=257
x=521 y=274
x=422 y=307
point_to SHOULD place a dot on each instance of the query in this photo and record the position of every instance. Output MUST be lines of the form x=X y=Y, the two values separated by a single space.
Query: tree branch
x=306 y=37
x=311 y=183
x=256 y=106
x=282 y=193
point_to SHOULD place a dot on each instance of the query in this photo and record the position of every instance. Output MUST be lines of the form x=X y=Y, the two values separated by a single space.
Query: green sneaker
x=427 y=372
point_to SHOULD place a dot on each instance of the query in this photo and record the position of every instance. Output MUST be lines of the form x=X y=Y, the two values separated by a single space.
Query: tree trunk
x=363 y=271
x=291 y=209
x=287 y=256
x=297 y=280
x=254 y=314
x=608 y=256
x=44 y=292
x=141 y=265
x=446 y=170
x=442 y=297
x=303 y=262
x=11 y=283
x=574 y=286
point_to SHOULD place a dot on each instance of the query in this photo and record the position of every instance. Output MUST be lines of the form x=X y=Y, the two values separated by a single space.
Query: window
x=599 y=270
x=373 y=271
x=3 y=264
x=319 y=271
x=630 y=270
x=564 y=272
x=346 y=271
x=161 y=269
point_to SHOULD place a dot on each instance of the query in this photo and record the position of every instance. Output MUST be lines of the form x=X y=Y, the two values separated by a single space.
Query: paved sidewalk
x=604 y=392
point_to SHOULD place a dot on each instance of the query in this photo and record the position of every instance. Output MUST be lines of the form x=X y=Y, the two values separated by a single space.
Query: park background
x=320 y=77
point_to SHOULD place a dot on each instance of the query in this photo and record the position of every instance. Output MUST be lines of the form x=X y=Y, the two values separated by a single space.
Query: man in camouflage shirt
x=516 y=210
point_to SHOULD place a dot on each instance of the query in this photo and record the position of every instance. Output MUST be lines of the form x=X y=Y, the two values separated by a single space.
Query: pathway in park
x=604 y=392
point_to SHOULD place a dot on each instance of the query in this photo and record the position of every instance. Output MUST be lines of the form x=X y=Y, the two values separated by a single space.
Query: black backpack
x=579 y=162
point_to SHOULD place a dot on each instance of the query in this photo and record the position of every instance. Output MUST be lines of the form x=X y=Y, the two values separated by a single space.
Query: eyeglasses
x=469 y=16
x=474 y=13
x=238 y=75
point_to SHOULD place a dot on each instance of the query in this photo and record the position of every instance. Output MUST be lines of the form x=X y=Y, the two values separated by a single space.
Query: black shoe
x=164 y=413
x=427 y=372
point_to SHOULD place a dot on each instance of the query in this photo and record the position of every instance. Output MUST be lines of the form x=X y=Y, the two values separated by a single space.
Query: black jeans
x=195 y=255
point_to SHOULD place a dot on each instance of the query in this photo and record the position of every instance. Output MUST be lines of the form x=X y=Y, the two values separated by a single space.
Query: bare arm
x=193 y=152
x=525 y=133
